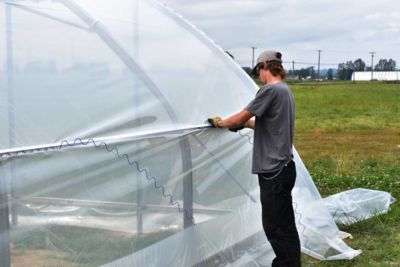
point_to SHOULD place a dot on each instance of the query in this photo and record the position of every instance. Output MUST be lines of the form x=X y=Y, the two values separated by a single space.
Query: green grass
x=80 y=246
x=340 y=107
x=348 y=135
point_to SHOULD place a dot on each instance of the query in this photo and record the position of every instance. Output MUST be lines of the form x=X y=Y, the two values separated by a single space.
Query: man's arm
x=250 y=124
x=238 y=120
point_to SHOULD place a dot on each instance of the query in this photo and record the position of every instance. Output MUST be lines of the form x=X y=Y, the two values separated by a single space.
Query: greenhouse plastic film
x=107 y=159
x=358 y=204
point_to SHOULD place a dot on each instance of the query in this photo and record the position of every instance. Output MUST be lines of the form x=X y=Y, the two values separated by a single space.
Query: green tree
x=305 y=73
x=391 y=66
x=381 y=65
x=385 y=65
x=359 y=65
x=341 y=73
x=329 y=74
x=345 y=70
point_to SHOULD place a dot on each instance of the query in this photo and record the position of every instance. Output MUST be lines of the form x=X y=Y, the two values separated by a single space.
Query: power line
x=311 y=63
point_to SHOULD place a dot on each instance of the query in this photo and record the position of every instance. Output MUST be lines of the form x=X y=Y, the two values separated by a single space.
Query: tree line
x=344 y=70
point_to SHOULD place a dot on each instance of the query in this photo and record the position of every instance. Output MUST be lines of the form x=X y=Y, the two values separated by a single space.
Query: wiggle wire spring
x=246 y=135
x=294 y=202
x=304 y=227
x=130 y=162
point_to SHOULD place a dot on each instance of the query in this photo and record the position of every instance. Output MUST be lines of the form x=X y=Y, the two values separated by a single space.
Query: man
x=273 y=108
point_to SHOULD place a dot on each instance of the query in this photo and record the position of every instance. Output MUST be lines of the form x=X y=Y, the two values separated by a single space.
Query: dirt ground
x=39 y=258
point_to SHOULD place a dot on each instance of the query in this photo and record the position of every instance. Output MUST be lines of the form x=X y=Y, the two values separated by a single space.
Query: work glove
x=214 y=121
x=236 y=129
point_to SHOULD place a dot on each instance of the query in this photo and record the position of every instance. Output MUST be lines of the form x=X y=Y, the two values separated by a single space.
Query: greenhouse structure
x=105 y=155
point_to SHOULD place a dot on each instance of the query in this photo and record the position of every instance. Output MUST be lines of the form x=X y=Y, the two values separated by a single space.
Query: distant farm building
x=376 y=75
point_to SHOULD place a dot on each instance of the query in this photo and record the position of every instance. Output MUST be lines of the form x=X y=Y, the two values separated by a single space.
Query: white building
x=376 y=75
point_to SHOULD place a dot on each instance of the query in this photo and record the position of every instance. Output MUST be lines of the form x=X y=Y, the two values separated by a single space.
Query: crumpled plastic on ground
x=358 y=204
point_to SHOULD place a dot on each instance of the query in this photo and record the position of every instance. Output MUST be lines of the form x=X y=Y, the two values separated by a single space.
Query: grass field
x=348 y=135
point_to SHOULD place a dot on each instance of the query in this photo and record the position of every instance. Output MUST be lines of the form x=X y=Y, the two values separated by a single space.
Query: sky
x=343 y=30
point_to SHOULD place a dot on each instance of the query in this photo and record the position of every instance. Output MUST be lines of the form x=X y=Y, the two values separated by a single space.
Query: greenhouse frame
x=108 y=159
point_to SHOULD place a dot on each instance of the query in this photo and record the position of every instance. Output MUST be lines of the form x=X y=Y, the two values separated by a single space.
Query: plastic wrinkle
x=130 y=162
x=226 y=171
x=93 y=24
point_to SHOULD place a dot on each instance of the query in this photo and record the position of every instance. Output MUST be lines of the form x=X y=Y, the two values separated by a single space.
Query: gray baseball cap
x=267 y=55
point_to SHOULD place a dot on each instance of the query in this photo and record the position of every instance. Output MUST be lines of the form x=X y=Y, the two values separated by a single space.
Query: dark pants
x=278 y=215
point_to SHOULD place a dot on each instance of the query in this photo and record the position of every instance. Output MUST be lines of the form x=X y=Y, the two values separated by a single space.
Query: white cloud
x=344 y=30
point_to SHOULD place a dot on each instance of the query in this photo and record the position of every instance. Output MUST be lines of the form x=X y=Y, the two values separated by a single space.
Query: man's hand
x=214 y=121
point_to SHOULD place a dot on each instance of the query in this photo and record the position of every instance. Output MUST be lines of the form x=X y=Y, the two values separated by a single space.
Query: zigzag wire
x=115 y=150
x=131 y=162
x=150 y=178
x=294 y=202
x=304 y=227
x=246 y=135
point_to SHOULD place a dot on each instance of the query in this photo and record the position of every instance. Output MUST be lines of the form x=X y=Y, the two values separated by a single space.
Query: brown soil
x=40 y=258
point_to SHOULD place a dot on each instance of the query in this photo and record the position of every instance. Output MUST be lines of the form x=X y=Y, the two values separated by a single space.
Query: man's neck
x=274 y=79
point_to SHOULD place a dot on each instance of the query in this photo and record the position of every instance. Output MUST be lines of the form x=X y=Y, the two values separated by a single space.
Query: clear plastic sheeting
x=358 y=204
x=105 y=157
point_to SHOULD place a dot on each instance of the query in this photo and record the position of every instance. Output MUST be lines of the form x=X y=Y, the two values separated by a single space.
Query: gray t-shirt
x=273 y=108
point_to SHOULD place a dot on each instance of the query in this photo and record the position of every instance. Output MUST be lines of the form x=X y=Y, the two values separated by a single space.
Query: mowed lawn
x=348 y=135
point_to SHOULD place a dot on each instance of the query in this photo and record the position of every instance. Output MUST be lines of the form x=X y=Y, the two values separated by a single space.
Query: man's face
x=259 y=67
x=262 y=73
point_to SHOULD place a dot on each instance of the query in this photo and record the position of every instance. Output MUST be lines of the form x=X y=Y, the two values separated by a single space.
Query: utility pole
x=252 y=60
x=319 y=61
x=293 y=68
x=372 y=64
